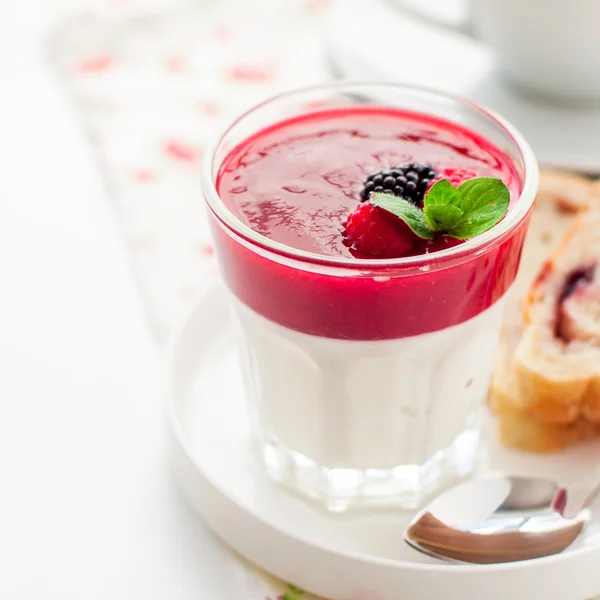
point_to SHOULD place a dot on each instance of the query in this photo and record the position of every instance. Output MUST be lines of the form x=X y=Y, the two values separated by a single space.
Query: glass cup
x=367 y=377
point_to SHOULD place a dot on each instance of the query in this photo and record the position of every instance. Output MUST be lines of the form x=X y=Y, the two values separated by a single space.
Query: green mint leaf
x=476 y=206
x=441 y=204
x=477 y=223
x=483 y=191
x=484 y=201
x=405 y=210
x=442 y=192
x=442 y=217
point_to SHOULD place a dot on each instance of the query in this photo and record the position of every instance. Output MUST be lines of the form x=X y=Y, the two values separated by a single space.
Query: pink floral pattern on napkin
x=154 y=82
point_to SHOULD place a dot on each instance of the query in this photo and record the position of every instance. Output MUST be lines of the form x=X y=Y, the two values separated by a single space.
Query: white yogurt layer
x=363 y=405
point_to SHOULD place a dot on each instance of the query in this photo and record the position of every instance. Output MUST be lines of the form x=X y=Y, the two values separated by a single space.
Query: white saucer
x=407 y=49
x=352 y=556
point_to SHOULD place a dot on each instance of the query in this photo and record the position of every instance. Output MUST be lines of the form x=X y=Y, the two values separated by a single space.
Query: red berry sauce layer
x=296 y=183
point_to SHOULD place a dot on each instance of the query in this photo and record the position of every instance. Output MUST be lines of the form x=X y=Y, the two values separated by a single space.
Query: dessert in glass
x=366 y=340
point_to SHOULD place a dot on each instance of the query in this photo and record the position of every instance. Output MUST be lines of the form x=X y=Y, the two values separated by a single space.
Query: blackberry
x=409 y=181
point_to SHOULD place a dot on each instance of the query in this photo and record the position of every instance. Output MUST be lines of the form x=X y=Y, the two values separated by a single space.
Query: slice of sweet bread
x=559 y=200
x=557 y=360
x=527 y=392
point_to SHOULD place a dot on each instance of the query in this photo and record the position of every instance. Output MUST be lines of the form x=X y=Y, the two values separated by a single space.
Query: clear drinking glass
x=379 y=413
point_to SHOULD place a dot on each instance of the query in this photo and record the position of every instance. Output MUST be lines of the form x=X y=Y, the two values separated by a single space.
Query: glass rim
x=482 y=241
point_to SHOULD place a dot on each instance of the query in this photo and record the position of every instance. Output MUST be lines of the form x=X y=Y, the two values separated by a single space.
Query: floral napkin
x=154 y=82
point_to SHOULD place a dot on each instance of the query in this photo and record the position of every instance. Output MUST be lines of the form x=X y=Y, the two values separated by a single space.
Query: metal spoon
x=498 y=518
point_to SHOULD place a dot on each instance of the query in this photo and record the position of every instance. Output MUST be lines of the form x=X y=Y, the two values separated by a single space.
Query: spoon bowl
x=500 y=518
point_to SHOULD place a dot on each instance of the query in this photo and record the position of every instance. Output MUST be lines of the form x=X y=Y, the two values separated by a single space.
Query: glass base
x=338 y=489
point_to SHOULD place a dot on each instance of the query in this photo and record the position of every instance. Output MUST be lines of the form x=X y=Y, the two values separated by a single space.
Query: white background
x=87 y=508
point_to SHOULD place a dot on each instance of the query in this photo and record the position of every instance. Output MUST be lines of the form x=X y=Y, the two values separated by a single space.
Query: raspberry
x=454 y=175
x=407 y=181
x=371 y=231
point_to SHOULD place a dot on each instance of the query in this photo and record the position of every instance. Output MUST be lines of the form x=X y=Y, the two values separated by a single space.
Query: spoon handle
x=572 y=498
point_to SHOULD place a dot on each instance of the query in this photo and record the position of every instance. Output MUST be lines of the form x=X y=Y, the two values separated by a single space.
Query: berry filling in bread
x=574 y=294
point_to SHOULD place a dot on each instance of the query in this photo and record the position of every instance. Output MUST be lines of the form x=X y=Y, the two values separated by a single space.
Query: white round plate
x=353 y=556
x=410 y=50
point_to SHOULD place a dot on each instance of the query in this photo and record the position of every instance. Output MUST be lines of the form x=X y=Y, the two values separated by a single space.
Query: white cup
x=548 y=47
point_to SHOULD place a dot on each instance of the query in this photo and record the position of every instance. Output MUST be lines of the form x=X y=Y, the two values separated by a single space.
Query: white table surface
x=87 y=508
